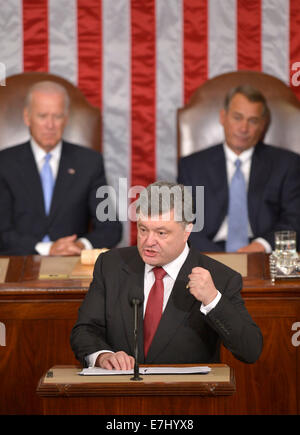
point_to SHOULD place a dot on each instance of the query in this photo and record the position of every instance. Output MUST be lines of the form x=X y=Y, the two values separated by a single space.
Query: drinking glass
x=285 y=251
x=285 y=242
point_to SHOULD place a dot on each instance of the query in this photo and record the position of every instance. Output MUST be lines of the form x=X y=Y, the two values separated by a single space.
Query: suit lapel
x=259 y=175
x=218 y=180
x=132 y=280
x=64 y=179
x=178 y=308
x=31 y=178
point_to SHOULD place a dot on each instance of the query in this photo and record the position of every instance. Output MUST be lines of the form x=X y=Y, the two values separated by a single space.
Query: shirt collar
x=39 y=153
x=174 y=266
x=243 y=157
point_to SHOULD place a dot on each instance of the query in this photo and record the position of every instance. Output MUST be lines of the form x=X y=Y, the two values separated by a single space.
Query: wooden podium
x=64 y=391
x=37 y=316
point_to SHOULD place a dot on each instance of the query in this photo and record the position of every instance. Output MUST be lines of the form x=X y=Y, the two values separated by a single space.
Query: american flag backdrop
x=140 y=60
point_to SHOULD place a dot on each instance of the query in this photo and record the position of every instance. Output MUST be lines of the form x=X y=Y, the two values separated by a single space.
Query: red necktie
x=154 y=307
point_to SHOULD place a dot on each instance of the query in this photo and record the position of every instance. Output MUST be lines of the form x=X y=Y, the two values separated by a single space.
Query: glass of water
x=285 y=241
x=285 y=251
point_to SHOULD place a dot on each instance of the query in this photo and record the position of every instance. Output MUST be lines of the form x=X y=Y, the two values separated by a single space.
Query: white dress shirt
x=43 y=248
x=246 y=159
x=169 y=279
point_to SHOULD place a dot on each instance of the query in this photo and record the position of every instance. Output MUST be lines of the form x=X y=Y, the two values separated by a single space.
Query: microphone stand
x=136 y=373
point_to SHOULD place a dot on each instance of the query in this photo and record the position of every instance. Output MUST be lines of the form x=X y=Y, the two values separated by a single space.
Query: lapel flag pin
x=71 y=171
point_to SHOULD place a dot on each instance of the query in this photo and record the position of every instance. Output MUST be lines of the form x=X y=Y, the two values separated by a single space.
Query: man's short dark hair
x=162 y=197
x=252 y=94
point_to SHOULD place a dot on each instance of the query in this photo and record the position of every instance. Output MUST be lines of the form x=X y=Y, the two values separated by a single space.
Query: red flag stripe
x=294 y=46
x=35 y=36
x=89 y=41
x=143 y=91
x=195 y=51
x=249 y=35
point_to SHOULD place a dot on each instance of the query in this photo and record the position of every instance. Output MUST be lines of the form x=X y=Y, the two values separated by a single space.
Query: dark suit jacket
x=273 y=192
x=184 y=335
x=23 y=221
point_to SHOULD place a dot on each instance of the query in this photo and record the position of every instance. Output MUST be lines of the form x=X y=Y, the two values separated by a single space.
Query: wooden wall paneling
x=37 y=337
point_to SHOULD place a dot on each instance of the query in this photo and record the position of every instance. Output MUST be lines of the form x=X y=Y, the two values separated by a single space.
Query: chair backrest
x=84 y=124
x=198 y=122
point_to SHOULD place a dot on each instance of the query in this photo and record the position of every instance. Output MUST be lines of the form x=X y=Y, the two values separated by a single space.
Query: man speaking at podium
x=190 y=303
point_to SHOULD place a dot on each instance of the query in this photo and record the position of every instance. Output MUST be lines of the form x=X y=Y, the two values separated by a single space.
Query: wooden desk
x=39 y=315
x=65 y=392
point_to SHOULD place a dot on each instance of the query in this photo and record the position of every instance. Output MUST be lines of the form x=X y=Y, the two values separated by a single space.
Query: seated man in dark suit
x=48 y=186
x=191 y=303
x=245 y=201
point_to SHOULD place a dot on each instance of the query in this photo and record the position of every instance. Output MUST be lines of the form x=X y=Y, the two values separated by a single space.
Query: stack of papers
x=96 y=371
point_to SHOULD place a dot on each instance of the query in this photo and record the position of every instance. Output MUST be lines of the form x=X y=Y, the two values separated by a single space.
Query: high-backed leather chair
x=84 y=124
x=198 y=121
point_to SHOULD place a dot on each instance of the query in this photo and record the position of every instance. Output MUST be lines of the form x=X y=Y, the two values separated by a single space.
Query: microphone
x=135 y=299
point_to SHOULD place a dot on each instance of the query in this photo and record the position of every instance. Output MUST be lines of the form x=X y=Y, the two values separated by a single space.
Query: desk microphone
x=136 y=300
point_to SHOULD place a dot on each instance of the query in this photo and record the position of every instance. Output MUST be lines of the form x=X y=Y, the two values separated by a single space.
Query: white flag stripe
x=221 y=37
x=63 y=39
x=169 y=84
x=116 y=105
x=275 y=38
x=11 y=36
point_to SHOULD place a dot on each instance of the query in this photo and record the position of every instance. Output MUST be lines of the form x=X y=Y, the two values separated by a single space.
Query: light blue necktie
x=238 y=211
x=48 y=185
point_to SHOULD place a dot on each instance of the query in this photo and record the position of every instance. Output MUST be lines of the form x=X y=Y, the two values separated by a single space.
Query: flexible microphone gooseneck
x=135 y=301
